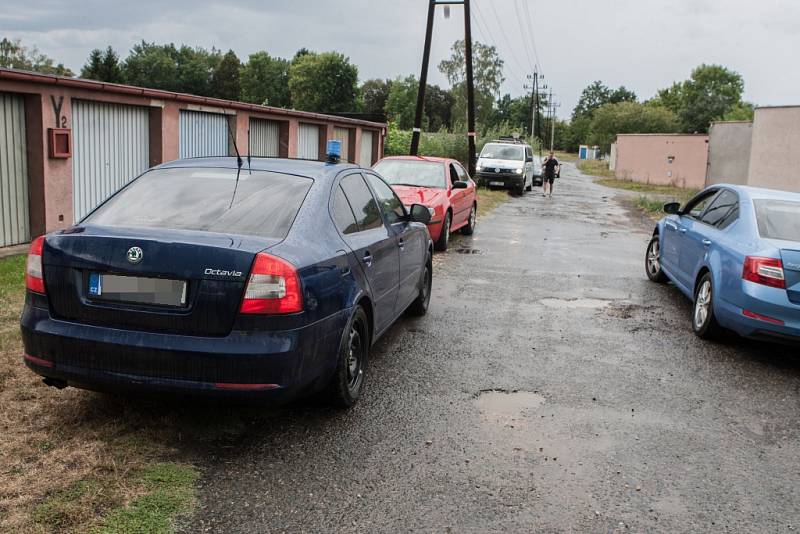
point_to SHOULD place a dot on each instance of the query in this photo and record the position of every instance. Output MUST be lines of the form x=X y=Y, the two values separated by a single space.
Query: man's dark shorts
x=550 y=179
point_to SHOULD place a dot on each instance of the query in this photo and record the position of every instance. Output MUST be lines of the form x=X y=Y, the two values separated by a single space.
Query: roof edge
x=94 y=85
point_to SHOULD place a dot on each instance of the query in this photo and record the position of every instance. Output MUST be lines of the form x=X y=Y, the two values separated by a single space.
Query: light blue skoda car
x=735 y=251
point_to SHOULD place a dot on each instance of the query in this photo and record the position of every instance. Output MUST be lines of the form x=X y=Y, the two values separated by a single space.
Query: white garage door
x=308 y=141
x=343 y=136
x=203 y=134
x=265 y=138
x=14 y=224
x=365 y=158
x=111 y=146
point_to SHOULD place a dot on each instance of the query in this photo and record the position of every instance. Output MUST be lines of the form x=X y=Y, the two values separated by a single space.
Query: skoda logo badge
x=135 y=255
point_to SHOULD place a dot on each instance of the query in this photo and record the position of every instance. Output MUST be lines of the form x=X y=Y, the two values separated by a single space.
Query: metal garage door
x=111 y=146
x=203 y=134
x=308 y=141
x=365 y=158
x=14 y=227
x=343 y=136
x=265 y=138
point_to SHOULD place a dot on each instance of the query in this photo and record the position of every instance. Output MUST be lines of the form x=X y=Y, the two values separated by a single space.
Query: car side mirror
x=420 y=214
x=460 y=185
x=673 y=208
x=529 y=159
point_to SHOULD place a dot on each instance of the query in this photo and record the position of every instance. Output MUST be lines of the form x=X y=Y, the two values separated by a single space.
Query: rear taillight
x=34 y=279
x=764 y=271
x=273 y=287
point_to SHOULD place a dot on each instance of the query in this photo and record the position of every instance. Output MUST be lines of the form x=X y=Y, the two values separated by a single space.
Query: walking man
x=551 y=168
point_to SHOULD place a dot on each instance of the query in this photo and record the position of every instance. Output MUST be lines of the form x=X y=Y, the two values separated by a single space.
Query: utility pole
x=423 y=80
x=470 y=90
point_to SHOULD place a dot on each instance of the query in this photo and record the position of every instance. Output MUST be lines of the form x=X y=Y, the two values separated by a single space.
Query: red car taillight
x=765 y=271
x=34 y=279
x=273 y=287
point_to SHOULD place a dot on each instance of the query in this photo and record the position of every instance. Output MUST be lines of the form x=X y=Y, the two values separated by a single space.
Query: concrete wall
x=729 y=152
x=50 y=180
x=775 y=149
x=662 y=159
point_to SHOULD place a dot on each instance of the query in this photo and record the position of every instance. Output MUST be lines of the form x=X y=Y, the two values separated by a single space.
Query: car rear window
x=410 y=172
x=264 y=203
x=778 y=219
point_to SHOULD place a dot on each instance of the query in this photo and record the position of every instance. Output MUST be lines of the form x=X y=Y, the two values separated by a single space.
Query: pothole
x=583 y=303
x=507 y=408
x=468 y=250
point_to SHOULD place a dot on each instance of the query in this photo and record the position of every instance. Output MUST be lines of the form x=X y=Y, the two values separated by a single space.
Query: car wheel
x=652 y=262
x=347 y=383
x=420 y=305
x=469 y=229
x=444 y=236
x=704 y=323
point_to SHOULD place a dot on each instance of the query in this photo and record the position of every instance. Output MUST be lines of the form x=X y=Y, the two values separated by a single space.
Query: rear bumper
x=508 y=181
x=767 y=302
x=277 y=365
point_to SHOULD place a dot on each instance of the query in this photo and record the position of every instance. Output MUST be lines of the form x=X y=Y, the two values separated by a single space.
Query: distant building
x=662 y=159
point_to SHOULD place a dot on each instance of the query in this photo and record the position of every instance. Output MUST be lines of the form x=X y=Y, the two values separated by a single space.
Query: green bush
x=446 y=144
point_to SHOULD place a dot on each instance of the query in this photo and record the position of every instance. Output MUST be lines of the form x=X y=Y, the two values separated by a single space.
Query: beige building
x=662 y=159
x=729 y=152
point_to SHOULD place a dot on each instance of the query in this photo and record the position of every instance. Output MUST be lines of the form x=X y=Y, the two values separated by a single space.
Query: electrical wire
x=531 y=34
x=488 y=38
x=522 y=32
x=502 y=32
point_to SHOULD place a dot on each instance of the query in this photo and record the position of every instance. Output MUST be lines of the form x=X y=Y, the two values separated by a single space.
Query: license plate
x=138 y=290
x=497 y=183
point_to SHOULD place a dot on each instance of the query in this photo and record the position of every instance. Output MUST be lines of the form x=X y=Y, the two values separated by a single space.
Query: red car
x=441 y=184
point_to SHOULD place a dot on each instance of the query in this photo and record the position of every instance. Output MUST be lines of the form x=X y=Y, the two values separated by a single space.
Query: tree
x=103 y=66
x=487 y=73
x=597 y=94
x=225 y=79
x=710 y=93
x=743 y=111
x=265 y=80
x=402 y=101
x=438 y=107
x=184 y=69
x=13 y=55
x=374 y=94
x=324 y=82
x=629 y=117
x=91 y=70
x=513 y=111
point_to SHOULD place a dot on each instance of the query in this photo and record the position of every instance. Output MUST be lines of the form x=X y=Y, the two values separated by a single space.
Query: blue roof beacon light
x=334 y=151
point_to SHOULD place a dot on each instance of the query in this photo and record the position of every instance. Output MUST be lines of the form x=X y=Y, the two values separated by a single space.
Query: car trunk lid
x=210 y=268
x=791 y=271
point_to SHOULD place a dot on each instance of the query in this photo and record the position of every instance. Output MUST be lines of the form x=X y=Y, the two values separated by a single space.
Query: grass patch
x=565 y=156
x=71 y=460
x=489 y=199
x=679 y=193
x=169 y=494
x=595 y=167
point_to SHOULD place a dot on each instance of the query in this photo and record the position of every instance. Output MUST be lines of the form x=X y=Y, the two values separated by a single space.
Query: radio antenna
x=238 y=161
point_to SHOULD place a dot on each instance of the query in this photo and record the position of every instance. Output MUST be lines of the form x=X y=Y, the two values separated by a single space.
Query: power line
x=531 y=34
x=480 y=23
x=522 y=31
x=503 y=33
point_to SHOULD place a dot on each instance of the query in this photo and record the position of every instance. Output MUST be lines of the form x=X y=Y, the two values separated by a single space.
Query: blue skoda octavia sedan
x=201 y=276
x=735 y=251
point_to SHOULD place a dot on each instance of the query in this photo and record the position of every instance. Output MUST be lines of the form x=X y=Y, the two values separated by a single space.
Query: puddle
x=571 y=304
x=507 y=408
x=467 y=250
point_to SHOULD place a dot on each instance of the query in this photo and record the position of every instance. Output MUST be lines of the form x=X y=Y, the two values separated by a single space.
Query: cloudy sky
x=642 y=44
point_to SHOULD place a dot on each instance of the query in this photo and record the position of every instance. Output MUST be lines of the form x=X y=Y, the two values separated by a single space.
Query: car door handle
x=683 y=230
x=401 y=243
x=368 y=259
x=707 y=242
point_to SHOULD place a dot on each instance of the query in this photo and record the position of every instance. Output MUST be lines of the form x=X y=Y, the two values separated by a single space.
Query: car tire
x=444 y=236
x=521 y=189
x=347 y=382
x=420 y=305
x=469 y=229
x=652 y=262
x=704 y=323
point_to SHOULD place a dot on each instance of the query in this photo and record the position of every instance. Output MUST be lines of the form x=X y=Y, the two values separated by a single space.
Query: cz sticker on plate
x=95 y=284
